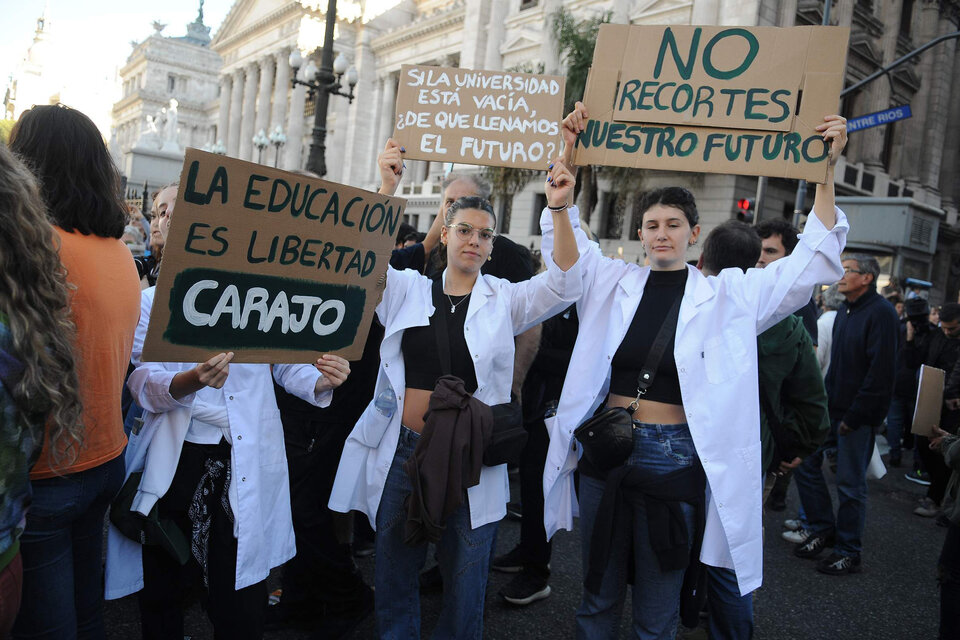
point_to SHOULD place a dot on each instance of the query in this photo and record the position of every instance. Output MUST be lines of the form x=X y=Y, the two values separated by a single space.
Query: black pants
x=323 y=574
x=533 y=537
x=949 y=578
x=168 y=587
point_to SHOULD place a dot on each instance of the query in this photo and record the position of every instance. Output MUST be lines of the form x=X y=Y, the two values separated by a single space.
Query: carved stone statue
x=170 y=133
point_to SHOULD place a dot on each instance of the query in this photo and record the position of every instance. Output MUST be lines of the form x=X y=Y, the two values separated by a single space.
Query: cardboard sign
x=274 y=266
x=926 y=414
x=491 y=118
x=732 y=100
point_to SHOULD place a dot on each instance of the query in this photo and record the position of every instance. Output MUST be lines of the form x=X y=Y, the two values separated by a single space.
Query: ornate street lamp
x=218 y=148
x=277 y=139
x=323 y=82
x=260 y=142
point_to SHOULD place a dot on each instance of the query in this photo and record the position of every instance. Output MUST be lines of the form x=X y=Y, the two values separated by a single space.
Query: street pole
x=316 y=162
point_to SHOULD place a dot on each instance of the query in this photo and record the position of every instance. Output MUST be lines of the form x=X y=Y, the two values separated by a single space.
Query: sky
x=92 y=37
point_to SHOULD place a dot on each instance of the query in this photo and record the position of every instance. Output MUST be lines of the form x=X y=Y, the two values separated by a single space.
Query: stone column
x=621 y=12
x=291 y=157
x=379 y=136
x=495 y=29
x=938 y=106
x=267 y=69
x=548 y=47
x=925 y=19
x=878 y=92
x=226 y=85
x=950 y=168
x=360 y=116
x=388 y=106
x=279 y=113
x=236 y=105
x=474 y=40
x=842 y=15
x=249 y=117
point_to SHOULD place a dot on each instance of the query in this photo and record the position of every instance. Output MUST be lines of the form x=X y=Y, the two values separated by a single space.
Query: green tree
x=576 y=40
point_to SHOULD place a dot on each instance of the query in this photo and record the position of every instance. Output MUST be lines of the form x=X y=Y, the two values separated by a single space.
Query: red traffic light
x=745 y=204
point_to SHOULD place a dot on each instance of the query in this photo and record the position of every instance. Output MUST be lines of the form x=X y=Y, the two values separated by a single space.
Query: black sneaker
x=920 y=477
x=511 y=562
x=813 y=546
x=836 y=564
x=527 y=587
x=515 y=511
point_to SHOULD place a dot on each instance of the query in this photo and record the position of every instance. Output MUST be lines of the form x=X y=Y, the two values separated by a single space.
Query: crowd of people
x=701 y=390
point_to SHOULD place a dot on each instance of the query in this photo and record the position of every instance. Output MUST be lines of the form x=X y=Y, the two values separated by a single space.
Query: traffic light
x=746 y=210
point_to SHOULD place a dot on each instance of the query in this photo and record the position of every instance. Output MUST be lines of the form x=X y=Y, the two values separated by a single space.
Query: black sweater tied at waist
x=661 y=496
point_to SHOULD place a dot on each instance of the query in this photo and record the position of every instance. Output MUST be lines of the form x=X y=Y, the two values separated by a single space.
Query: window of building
x=171 y=83
x=906 y=16
x=539 y=202
x=528 y=4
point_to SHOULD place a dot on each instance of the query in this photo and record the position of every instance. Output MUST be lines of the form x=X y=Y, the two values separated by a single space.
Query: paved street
x=894 y=598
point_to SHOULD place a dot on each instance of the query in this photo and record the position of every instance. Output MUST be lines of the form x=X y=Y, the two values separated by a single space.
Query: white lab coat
x=259 y=486
x=497 y=311
x=716 y=356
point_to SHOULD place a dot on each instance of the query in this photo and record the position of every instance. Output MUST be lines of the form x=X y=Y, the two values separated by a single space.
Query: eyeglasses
x=847 y=270
x=465 y=232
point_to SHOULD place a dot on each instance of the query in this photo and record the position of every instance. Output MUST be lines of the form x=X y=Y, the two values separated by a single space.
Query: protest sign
x=740 y=100
x=274 y=266
x=491 y=118
x=926 y=412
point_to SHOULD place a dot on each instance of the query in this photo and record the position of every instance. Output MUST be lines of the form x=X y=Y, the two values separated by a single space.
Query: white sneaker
x=799 y=536
x=793 y=524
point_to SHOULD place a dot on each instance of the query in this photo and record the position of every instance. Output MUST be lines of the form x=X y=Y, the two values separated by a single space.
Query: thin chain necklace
x=453 y=307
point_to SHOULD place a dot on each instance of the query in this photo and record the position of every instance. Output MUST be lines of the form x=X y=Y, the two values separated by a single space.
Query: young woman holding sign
x=692 y=477
x=211 y=455
x=484 y=314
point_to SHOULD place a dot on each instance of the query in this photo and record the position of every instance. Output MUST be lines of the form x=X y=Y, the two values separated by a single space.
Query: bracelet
x=560 y=208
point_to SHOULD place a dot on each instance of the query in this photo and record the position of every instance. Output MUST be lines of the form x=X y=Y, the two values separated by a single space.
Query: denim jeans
x=463 y=554
x=899 y=414
x=853 y=455
x=62 y=550
x=731 y=615
x=660 y=449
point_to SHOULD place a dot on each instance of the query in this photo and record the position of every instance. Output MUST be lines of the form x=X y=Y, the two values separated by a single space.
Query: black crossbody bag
x=509 y=436
x=607 y=437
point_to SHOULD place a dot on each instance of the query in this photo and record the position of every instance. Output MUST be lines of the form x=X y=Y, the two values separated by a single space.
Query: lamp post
x=260 y=142
x=277 y=139
x=218 y=148
x=323 y=82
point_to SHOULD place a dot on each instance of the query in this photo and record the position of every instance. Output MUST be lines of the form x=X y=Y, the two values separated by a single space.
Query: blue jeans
x=463 y=554
x=853 y=455
x=62 y=548
x=659 y=448
x=731 y=615
x=901 y=410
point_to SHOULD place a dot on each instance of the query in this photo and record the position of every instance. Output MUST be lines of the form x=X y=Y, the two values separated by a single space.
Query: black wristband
x=560 y=208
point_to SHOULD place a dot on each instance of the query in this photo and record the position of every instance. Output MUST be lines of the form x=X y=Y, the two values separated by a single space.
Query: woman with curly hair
x=73 y=485
x=37 y=376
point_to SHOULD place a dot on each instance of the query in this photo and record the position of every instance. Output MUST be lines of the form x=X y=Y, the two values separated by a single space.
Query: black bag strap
x=441 y=332
x=664 y=337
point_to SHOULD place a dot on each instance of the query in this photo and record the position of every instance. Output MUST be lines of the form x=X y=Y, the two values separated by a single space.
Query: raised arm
x=834 y=131
x=559 y=190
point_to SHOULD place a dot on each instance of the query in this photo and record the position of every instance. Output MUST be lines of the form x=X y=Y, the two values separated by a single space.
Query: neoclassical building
x=900 y=181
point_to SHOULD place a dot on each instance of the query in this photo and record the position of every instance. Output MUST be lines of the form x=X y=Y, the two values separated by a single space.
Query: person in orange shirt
x=73 y=485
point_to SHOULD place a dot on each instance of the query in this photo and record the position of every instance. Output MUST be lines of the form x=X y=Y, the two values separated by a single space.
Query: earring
x=489 y=257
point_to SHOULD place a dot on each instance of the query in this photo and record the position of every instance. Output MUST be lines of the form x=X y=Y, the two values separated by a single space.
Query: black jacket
x=863 y=361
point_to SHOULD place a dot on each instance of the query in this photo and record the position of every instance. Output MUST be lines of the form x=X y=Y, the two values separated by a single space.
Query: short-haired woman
x=483 y=314
x=696 y=430
x=62 y=544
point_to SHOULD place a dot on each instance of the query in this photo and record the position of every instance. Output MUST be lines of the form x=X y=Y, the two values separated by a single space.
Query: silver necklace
x=453 y=307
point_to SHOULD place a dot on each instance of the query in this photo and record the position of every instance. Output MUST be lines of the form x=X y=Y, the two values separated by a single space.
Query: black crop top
x=419 y=347
x=659 y=294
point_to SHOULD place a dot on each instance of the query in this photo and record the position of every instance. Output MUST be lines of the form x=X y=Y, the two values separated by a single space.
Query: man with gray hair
x=859 y=385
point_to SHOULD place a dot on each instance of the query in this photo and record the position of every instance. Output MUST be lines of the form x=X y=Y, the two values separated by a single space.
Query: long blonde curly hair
x=34 y=297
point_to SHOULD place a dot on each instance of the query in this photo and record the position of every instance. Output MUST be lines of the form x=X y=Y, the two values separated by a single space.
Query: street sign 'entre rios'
x=713 y=99
x=879 y=118
x=274 y=266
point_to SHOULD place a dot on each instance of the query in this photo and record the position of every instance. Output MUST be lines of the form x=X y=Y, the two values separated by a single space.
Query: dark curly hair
x=671 y=197
x=78 y=181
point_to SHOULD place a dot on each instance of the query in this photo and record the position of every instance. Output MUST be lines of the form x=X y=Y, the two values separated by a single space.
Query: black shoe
x=836 y=564
x=280 y=616
x=431 y=580
x=527 y=587
x=813 y=546
x=511 y=562
x=920 y=477
x=515 y=511
x=364 y=548
x=777 y=503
